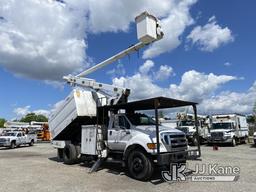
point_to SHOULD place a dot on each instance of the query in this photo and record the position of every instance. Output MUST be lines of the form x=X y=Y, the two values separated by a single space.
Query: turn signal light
x=151 y=145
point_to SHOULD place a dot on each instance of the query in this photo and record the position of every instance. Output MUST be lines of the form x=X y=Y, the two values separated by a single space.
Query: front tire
x=233 y=142
x=140 y=166
x=12 y=145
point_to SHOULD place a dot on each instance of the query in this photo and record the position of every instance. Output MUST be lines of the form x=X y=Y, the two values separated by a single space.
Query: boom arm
x=149 y=31
x=121 y=94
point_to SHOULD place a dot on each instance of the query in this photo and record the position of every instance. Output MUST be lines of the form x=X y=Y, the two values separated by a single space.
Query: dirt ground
x=35 y=168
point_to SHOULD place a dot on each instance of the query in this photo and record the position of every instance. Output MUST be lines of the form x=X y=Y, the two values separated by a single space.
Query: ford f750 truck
x=97 y=123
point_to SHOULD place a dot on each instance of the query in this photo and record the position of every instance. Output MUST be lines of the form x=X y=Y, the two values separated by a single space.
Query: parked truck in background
x=186 y=123
x=97 y=123
x=14 y=139
x=228 y=128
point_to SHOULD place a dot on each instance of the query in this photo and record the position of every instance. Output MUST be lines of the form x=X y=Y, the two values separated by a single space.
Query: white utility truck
x=14 y=139
x=230 y=128
x=97 y=123
x=186 y=123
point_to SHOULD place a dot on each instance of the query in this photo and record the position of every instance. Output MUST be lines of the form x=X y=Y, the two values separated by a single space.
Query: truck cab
x=232 y=129
x=125 y=130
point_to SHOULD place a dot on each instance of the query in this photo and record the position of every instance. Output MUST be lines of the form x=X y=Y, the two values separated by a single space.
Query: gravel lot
x=35 y=169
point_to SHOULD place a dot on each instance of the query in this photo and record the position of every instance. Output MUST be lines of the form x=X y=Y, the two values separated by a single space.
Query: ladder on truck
x=100 y=148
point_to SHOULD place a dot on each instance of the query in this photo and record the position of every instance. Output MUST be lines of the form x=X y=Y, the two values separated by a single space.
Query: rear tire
x=31 y=143
x=245 y=141
x=70 y=154
x=60 y=155
x=140 y=166
x=233 y=142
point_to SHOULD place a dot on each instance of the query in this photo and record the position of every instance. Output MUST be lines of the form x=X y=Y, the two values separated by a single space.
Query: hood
x=220 y=130
x=149 y=129
x=6 y=137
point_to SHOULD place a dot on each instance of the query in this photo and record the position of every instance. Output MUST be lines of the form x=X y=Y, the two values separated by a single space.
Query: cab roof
x=149 y=104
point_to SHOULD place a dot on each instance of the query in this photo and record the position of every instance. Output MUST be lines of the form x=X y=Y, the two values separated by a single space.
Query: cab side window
x=19 y=135
x=123 y=123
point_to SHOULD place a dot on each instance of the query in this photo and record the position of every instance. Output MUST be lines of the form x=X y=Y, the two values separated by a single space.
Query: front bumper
x=176 y=157
x=220 y=140
x=5 y=144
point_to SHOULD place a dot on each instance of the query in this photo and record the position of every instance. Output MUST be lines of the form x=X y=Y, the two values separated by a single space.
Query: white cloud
x=146 y=67
x=119 y=70
x=227 y=64
x=164 y=72
x=197 y=86
x=193 y=86
x=42 y=112
x=112 y=15
x=173 y=27
x=231 y=102
x=22 y=111
x=210 y=36
x=46 y=39
x=42 y=39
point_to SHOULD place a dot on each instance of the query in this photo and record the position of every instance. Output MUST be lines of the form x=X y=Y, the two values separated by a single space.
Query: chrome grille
x=175 y=142
x=2 y=140
x=217 y=135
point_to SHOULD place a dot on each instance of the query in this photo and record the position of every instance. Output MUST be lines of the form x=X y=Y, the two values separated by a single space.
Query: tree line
x=27 y=119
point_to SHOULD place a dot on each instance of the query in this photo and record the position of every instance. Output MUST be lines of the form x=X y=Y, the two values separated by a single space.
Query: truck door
x=19 y=139
x=113 y=131
x=124 y=134
x=119 y=133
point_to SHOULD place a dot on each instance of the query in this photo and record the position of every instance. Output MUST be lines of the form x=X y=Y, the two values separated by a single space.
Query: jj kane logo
x=202 y=173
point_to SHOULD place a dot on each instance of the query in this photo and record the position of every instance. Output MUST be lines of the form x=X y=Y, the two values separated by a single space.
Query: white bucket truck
x=230 y=128
x=186 y=123
x=97 y=123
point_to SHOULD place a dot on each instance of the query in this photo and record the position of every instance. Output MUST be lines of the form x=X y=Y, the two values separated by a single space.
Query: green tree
x=2 y=121
x=251 y=119
x=33 y=117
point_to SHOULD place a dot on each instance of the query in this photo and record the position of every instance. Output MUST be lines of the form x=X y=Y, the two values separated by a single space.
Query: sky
x=207 y=54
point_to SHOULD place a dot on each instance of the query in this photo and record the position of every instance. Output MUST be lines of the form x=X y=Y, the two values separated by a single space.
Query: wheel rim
x=138 y=165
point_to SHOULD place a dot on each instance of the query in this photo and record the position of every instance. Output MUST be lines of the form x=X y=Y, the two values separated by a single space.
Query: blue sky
x=232 y=61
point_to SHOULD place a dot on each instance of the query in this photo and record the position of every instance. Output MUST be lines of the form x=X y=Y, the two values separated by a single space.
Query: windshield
x=10 y=134
x=221 y=126
x=186 y=123
x=140 y=119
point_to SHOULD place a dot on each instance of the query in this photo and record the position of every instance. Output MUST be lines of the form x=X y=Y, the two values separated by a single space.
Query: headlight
x=254 y=135
x=208 y=135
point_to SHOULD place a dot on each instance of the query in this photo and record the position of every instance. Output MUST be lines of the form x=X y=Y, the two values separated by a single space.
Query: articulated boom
x=114 y=94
